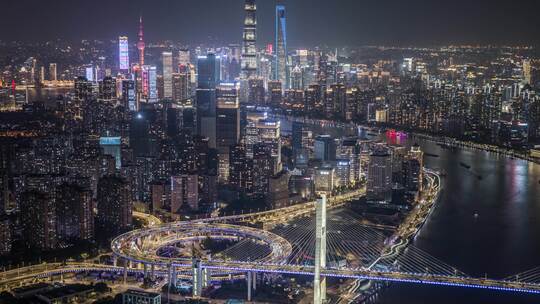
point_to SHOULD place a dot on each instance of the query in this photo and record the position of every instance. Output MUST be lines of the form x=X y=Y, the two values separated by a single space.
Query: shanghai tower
x=280 y=67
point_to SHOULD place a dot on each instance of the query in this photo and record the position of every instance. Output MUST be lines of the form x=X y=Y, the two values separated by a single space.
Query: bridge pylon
x=319 y=282
x=198 y=278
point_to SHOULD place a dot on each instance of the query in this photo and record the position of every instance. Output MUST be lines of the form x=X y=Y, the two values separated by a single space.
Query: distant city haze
x=310 y=22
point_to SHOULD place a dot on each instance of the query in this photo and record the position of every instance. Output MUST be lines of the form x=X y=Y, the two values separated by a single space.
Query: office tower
x=129 y=96
x=184 y=57
x=228 y=122
x=249 y=47
x=278 y=190
x=379 y=183
x=301 y=144
x=152 y=85
x=325 y=179
x=149 y=83
x=184 y=192
x=343 y=172
x=42 y=75
x=123 y=54
x=160 y=194
x=413 y=169
x=265 y=67
x=240 y=169
x=350 y=150
x=527 y=71
x=140 y=43
x=294 y=100
x=233 y=63
x=112 y=146
x=262 y=168
x=275 y=93
x=352 y=103
x=280 y=66
x=270 y=136
x=167 y=75
x=335 y=100
x=248 y=64
x=208 y=77
x=325 y=148
x=180 y=86
x=313 y=98
x=297 y=130
x=53 y=76
x=256 y=94
x=114 y=205
x=84 y=89
x=107 y=88
x=38 y=220
x=297 y=80
x=89 y=73
x=251 y=136
x=74 y=215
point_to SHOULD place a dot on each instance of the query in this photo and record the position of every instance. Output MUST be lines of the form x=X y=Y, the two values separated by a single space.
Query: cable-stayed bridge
x=288 y=241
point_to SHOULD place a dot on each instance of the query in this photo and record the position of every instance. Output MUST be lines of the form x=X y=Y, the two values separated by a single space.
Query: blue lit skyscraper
x=280 y=66
x=123 y=53
x=112 y=146
x=152 y=84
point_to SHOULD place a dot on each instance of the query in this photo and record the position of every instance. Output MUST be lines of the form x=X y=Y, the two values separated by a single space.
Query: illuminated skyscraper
x=249 y=49
x=184 y=57
x=123 y=53
x=149 y=83
x=228 y=122
x=527 y=71
x=379 y=183
x=180 y=84
x=270 y=136
x=140 y=44
x=280 y=67
x=167 y=75
x=129 y=97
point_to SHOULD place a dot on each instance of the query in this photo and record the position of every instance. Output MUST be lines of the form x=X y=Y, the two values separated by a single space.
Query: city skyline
x=278 y=163
x=310 y=23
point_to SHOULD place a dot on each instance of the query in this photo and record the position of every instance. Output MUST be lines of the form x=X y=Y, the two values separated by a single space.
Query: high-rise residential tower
x=280 y=65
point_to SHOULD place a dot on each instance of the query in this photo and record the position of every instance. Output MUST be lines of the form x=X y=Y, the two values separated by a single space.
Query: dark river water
x=503 y=240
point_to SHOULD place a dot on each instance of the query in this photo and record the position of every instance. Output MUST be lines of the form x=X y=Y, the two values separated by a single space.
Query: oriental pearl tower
x=140 y=44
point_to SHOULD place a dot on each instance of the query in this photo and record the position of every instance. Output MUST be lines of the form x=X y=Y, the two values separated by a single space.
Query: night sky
x=310 y=22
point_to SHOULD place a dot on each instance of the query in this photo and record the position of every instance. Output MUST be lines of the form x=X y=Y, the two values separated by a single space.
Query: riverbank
x=448 y=142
